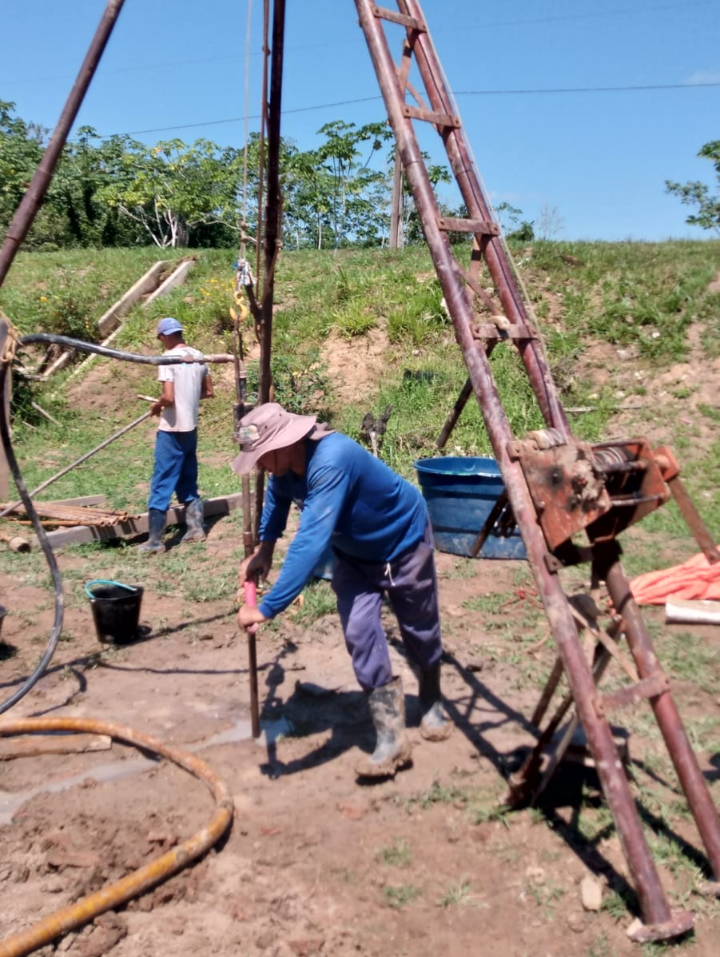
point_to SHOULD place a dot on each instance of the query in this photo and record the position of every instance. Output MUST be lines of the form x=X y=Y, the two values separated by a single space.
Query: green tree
x=412 y=233
x=171 y=189
x=88 y=166
x=698 y=194
x=332 y=195
x=21 y=149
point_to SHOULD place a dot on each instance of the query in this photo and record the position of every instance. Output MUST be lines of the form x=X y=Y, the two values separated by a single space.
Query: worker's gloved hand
x=249 y=618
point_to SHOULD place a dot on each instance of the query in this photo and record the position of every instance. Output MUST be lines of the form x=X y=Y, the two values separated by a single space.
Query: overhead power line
x=237 y=119
x=587 y=89
x=369 y=99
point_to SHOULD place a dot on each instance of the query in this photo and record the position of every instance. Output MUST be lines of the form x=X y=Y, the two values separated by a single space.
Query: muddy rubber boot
x=392 y=749
x=434 y=725
x=194 y=513
x=156 y=523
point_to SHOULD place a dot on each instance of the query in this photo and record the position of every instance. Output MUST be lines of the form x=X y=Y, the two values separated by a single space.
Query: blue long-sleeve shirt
x=348 y=499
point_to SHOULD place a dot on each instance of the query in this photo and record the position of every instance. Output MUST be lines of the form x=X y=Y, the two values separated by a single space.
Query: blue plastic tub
x=460 y=494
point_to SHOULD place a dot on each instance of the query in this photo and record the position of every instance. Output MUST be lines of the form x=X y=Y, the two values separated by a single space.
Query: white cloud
x=703 y=76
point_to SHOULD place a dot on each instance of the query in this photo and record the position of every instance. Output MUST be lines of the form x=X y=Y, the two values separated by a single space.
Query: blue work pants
x=175 y=470
x=410 y=584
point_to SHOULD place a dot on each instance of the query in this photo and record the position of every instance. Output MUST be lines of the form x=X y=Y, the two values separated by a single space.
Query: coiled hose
x=47 y=551
x=77 y=915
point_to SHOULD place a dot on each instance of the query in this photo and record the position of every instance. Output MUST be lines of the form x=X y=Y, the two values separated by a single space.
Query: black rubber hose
x=83 y=346
x=44 y=544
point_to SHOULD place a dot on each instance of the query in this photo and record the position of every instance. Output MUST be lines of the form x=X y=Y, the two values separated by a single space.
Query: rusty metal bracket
x=481 y=227
x=651 y=687
x=567 y=490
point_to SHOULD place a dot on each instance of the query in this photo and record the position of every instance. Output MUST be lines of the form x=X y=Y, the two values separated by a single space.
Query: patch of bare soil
x=356 y=365
x=106 y=386
x=651 y=403
x=314 y=864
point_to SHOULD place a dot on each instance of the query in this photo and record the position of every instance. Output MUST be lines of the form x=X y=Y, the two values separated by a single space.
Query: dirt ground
x=423 y=865
x=314 y=863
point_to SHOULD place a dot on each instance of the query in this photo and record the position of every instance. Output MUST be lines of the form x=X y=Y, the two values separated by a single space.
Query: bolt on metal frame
x=548 y=474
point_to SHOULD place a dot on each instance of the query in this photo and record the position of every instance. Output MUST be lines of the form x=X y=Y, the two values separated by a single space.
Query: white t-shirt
x=187 y=378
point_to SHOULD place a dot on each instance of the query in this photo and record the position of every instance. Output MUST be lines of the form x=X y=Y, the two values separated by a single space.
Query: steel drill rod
x=693 y=520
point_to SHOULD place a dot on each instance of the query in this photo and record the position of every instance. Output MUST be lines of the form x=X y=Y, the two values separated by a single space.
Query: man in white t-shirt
x=176 y=468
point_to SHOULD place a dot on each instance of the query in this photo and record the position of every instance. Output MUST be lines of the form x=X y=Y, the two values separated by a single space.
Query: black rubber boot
x=194 y=514
x=392 y=749
x=156 y=523
x=434 y=726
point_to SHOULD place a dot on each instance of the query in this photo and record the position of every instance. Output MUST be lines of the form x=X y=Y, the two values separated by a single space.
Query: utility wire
x=587 y=89
x=369 y=99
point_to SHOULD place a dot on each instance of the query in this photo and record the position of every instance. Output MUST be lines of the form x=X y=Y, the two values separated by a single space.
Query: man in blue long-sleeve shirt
x=378 y=528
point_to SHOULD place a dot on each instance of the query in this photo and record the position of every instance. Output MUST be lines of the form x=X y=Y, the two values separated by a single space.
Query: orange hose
x=141 y=880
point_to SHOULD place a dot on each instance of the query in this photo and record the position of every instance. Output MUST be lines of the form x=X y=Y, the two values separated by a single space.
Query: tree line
x=118 y=191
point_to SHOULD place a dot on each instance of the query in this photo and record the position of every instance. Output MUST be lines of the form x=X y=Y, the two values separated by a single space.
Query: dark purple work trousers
x=410 y=584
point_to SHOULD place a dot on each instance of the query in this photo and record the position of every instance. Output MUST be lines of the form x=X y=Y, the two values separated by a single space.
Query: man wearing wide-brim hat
x=377 y=525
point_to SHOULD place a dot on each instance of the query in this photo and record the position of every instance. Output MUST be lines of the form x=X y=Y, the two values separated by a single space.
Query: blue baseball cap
x=167 y=326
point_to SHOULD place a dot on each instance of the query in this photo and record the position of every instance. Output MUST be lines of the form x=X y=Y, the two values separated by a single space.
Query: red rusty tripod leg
x=656 y=911
x=667 y=716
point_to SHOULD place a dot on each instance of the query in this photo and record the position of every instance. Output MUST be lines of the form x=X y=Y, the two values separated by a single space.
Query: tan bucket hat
x=266 y=428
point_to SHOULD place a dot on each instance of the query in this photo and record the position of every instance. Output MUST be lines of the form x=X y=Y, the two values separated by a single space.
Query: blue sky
x=598 y=158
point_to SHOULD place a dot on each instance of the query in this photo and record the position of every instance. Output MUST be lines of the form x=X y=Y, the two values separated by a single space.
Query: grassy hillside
x=617 y=319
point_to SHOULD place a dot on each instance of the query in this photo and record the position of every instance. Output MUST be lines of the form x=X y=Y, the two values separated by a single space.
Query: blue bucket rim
x=489 y=467
x=107 y=581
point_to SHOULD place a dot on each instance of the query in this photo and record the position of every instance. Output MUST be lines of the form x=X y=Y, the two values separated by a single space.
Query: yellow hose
x=141 y=880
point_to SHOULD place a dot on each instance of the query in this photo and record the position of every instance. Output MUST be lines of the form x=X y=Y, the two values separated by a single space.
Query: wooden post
x=396 y=236
x=5 y=399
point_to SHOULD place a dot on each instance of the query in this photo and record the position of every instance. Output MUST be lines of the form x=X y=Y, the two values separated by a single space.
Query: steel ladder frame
x=509 y=321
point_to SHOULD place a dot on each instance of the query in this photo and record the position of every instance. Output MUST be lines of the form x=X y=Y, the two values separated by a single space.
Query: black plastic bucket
x=115 y=609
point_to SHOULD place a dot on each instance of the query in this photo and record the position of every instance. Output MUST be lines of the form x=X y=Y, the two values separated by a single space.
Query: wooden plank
x=32 y=745
x=146 y=284
x=81 y=500
x=491 y=331
x=81 y=535
x=176 y=278
x=110 y=321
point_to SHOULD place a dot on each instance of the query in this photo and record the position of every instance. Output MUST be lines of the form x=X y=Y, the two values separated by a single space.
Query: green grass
x=396 y=854
x=458 y=895
x=622 y=293
x=66 y=292
x=398 y=897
